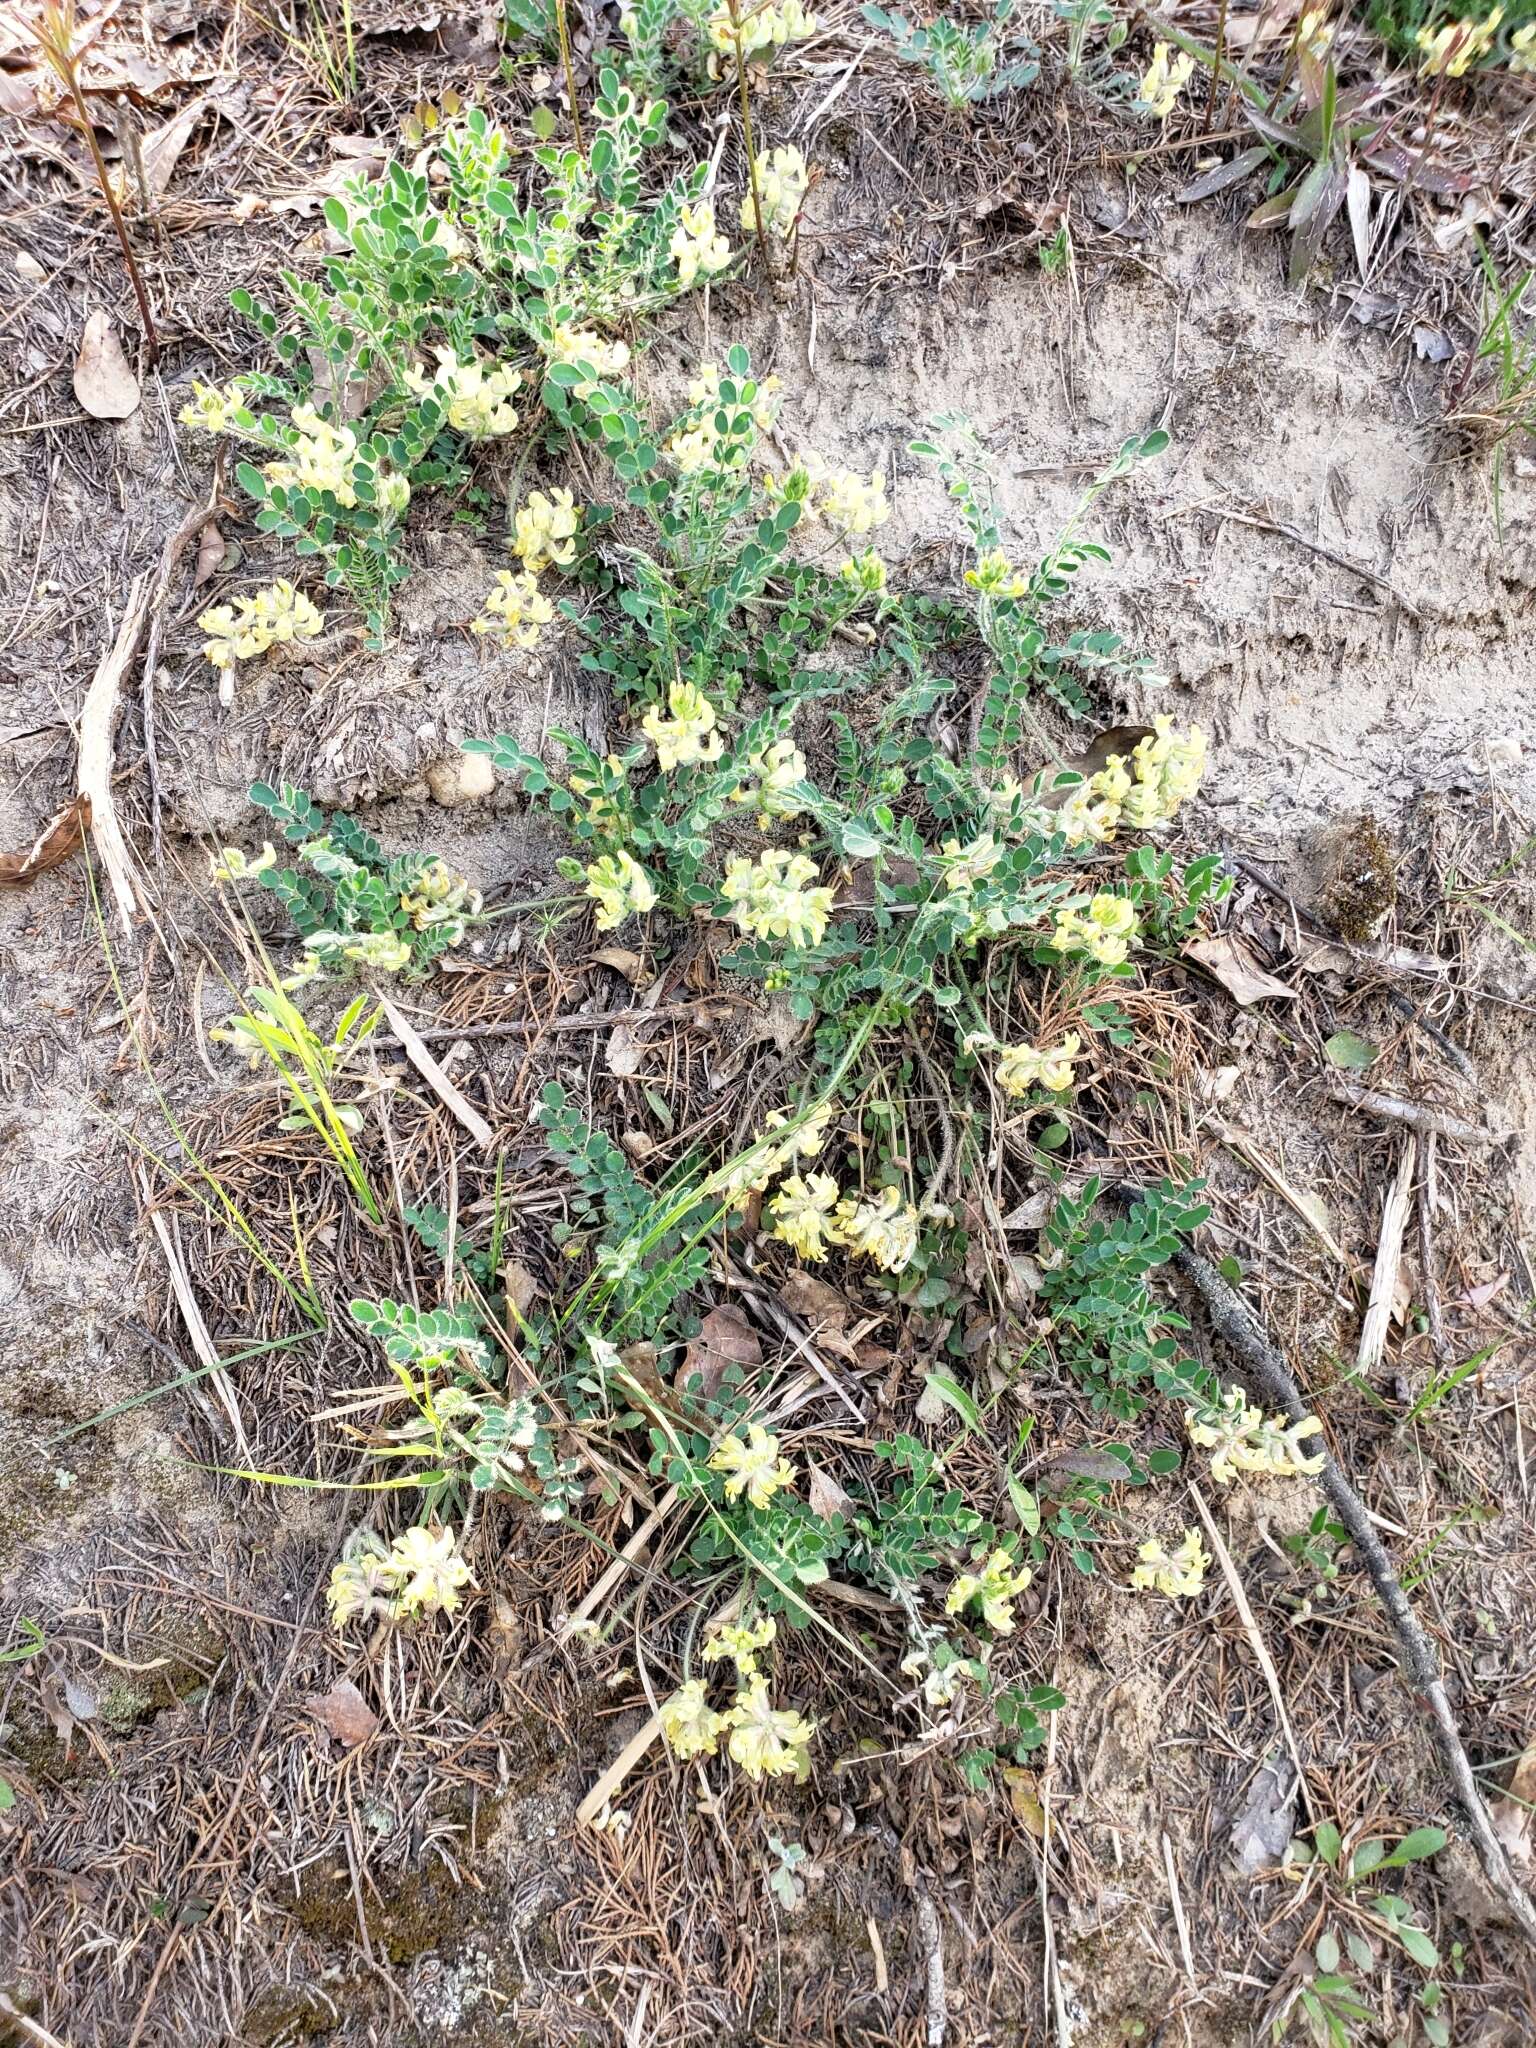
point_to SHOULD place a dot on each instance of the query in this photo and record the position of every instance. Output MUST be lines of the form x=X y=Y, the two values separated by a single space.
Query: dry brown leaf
x=211 y=550
x=1024 y=1798
x=725 y=1339
x=826 y=1497
x=522 y=1288
x=816 y=1302
x=624 y=1052
x=60 y=837
x=162 y=149
x=1230 y=959
x=622 y=961
x=344 y=1713
x=1514 y=1815
x=308 y=199
x=104 y=384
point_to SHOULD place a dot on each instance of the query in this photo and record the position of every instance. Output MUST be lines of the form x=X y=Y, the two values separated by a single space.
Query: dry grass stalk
x=1389 y=1259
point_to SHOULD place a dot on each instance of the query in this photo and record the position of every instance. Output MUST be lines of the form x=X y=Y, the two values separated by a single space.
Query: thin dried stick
x=1389 y=1259
x=1418 y=1116
x=1235 y=1323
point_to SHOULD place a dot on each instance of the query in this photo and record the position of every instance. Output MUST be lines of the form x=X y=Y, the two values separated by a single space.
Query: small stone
x=1504 y=753
x=460 y=779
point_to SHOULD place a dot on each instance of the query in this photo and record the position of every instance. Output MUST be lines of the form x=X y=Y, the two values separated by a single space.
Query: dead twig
x=1317 y=547
x=1429 y=1198
x=98 y=716
x=1418 y=1116
x=1235 y=1323
x=1389 y=1259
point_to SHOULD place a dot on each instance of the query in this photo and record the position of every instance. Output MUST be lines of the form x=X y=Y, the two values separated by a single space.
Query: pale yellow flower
x=568 y=344
x=1522 y=52
x=430 y=1571
x=884 y=1229
x=385 y=952
x=752 y=1466
x=766 y=1741
x=1022 y=1067
x=770 y=899
x=1179 y=1574
x=965 y=866
x=1167 y=766
x=620 y=887
x=801 y=1214
x=231 y=865
x=211 y=408
x=783 y=179
x=475 y=397
x=778 y=771
x=1240 y=1439
x=740 y=1641
x=1454 y=48
x=1106 y=931
x=267 y=618
x=363 y=1583
x=515 y=612
x=864 y=573
x=544 y=531
x=768 y=25
x=697 y=244
x=994 y=1588
x=1163 y=82
x=601 y=809
x=995 y=576
x=689 y=735
x=690 y=1724
x=846 y=500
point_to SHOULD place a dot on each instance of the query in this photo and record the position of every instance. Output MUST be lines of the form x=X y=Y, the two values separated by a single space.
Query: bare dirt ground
x=189 y=1857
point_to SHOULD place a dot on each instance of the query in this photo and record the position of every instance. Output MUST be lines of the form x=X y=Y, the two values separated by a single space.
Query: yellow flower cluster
x=777 y=773
x=321 y=459
x=1163 y=82
x=864 y=573
x=1023 y=1067
x=1240 y=1439
x=752 y=1466
x=420 y=1573
x=845 y=500
x=1179 y=1573
x=697 y=244
x=754 y=1174
x=1456 y=46
x=768 y=26
x=1522 y=49
x=770 y=899
x=1163 y=772
x=267 y=618
x=783 y=179
x=544 y=531
x=210 y=408
x=801 y=1214
x=439 y=896
x=568 y=344
x=995 y=576
x=476 y=397
x=765 y=1741
x=689 y=735
x=621 y=888
x=993 y=1588
x=1105 y=931
x=884 y=1229
x=515 y=612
